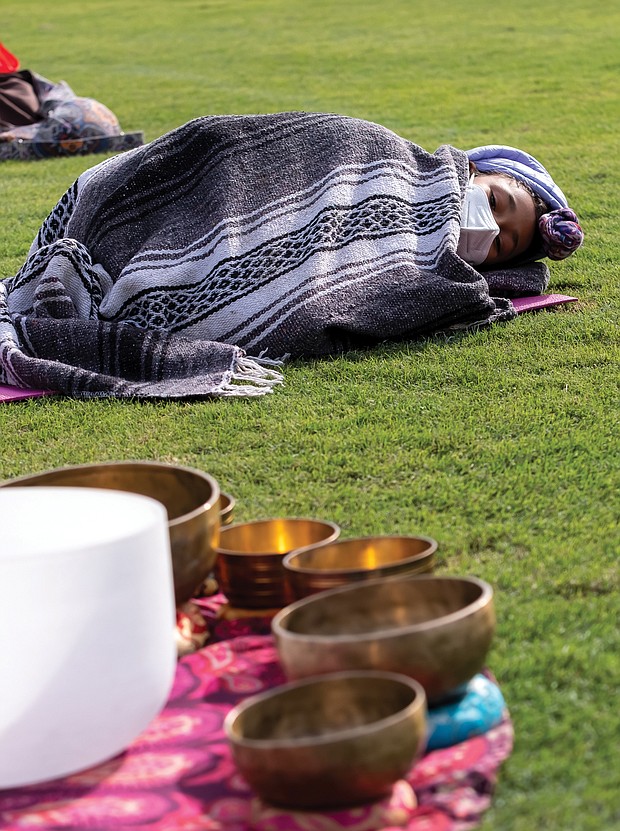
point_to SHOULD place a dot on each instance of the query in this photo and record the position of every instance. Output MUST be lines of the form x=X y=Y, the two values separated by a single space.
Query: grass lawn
x=502 y=444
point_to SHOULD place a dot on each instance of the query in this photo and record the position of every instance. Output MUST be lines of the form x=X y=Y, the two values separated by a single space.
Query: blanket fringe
x=252 y=377
x=262 y=359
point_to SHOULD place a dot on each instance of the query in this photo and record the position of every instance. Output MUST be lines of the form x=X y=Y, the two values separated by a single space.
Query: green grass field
x=501 y=444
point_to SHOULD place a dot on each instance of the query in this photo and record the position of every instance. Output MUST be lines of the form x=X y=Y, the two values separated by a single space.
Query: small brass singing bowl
x=190 y=497
x=227 y=508
x=437 y=630
x=342 y=739
x=317 y=568
x=249 y=563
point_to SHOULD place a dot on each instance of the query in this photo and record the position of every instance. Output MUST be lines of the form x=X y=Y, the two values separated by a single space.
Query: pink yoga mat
x=540 y=301
x=8 y=393
x=521 y=304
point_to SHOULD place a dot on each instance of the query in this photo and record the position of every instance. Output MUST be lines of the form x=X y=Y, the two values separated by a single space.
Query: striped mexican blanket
x=162 y=270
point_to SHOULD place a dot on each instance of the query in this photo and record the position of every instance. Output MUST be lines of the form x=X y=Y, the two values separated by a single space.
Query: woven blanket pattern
x=293 y=234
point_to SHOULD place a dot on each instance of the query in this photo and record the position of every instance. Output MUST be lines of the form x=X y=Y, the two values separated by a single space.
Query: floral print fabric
x=179 y=775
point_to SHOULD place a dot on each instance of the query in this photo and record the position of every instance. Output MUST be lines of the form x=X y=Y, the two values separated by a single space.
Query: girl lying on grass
x=295 y=234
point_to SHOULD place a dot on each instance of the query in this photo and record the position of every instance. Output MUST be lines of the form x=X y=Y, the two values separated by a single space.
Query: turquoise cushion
x=478 y=709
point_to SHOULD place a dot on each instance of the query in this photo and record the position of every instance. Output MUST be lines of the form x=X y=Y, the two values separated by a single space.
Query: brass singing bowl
x=317 y=568
x=227 y=508
x=341 y=739
x=190 y=497
x=437 y=630
x=249 y=562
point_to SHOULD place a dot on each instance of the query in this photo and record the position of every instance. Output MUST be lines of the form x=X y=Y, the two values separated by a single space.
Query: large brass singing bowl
x=317 y=568
x=342 y=739
x=437 y=630
x=249 y=563
x=190 y=497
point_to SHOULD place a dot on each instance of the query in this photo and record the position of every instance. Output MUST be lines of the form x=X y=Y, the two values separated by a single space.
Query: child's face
x=514 y=212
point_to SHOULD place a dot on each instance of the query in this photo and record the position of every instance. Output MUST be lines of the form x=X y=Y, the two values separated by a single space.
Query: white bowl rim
x=149 y=508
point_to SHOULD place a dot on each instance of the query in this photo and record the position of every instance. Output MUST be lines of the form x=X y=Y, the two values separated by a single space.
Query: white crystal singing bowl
x=87 y=612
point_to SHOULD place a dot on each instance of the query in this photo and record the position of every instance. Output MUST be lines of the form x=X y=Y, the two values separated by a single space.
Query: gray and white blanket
x=186 y=266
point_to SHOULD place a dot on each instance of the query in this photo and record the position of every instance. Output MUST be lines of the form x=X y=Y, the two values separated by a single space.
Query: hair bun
x=561 y=233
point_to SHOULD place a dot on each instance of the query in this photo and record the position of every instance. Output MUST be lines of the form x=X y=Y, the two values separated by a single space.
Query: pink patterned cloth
x=192 y=631
x=178 y=775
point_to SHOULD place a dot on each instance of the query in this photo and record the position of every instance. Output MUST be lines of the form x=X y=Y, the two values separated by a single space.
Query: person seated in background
x=19 y=102
x=42 y=119
x=37 y=110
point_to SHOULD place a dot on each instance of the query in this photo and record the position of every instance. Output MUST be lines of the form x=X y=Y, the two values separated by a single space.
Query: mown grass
x=502 y=444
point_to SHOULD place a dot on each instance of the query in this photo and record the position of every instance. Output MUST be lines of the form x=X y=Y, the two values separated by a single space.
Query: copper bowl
x=227 y=508
x=190 y=497
x=341 y=739
x=249 y=563
x=437 y=630
x=319 y=567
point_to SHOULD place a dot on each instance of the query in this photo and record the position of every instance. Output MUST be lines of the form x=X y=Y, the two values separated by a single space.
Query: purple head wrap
x=559 y=229
x=561 y=233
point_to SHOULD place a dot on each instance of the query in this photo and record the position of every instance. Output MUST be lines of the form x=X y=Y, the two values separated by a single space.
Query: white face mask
x=478 y=226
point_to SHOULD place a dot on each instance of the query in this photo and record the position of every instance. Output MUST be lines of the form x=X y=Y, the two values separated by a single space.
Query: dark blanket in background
x=34 y=109
x=19 y=102
x=40 y=119
x=296 y=234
